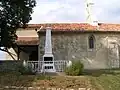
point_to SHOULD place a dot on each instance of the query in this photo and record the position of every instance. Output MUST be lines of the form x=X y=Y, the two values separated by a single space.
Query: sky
x=56 y=11
x=73 y=11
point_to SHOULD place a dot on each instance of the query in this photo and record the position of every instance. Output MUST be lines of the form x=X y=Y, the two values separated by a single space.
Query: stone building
x=96 y=46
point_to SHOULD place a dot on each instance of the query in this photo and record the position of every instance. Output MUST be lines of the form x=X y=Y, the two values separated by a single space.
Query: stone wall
x=74 y=46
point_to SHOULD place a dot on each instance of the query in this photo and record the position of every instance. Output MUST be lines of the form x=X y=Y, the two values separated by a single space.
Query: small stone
x=71 y=89
x=53 y=88
x=25 y=88
x=88 y=89
x=30 y=88
x=48 y=89
x=6 y=86
x=82 y=89
x=38 y=88
x=58 y=89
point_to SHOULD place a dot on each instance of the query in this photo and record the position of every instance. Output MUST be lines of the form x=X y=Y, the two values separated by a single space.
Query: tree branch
x=6 y=50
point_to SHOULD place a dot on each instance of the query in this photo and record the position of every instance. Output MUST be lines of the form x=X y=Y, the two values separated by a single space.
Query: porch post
x=18 y=55
x=38 y=53
x=39 y=61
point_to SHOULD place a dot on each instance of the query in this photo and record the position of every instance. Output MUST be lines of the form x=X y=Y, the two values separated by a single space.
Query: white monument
x=48 y=58
x=90 y=18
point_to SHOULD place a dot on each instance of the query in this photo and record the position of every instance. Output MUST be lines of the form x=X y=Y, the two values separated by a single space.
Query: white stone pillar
x=48 y=58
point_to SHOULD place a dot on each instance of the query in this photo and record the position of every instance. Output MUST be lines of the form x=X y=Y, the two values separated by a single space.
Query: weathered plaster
x=74 y=46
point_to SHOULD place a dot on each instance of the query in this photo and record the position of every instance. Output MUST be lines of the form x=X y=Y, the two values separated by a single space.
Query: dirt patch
x=64 y=82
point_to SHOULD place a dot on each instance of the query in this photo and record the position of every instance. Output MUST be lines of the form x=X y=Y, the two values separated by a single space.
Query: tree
x=13 y=15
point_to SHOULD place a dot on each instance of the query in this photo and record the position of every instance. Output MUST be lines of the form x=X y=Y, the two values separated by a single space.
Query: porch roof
x=27 y=41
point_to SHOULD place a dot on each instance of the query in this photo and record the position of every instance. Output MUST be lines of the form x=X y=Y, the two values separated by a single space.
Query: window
x=91 y=42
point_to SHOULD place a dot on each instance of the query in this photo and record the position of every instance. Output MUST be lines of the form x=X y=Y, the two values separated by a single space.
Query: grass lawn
x=96 y=80
x=105 y=79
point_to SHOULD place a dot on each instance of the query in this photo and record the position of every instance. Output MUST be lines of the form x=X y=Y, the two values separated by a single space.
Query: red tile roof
x=66 y=27
x=27 y=41
x=77 y=27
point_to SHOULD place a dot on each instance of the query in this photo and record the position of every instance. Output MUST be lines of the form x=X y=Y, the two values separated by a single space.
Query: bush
x=9 y=66
x=15 y=67
x=25 y=70
x=75 y=69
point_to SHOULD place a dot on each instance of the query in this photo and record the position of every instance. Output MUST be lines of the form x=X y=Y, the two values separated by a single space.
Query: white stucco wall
x=26 y=33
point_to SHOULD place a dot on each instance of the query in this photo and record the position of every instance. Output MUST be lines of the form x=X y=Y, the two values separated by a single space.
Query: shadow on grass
x=16 y=79
x=98 y=72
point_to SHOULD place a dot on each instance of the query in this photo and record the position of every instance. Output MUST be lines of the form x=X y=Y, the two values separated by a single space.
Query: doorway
x=33 y=56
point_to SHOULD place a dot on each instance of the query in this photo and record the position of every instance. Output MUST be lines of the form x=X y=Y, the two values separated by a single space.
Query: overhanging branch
x=6 y=50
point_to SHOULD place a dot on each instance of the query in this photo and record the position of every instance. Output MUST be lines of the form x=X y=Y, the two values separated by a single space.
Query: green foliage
x=75 y=69
x=25 y=70
x=15 y=67
x=9 y=66
x=13 y=15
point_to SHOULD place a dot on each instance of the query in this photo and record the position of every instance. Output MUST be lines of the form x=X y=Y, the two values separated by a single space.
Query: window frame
x=93 y=42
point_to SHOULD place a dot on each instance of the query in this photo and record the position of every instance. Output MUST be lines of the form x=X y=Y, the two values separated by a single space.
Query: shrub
x=75 y=69
x=15 y=67
x=25 y=70
x=9 y=66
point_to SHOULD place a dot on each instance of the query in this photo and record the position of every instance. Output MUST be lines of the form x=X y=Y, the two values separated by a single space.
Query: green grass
x=96 y=80
x=16 y=79
x=105 y=79
x=109 y=82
